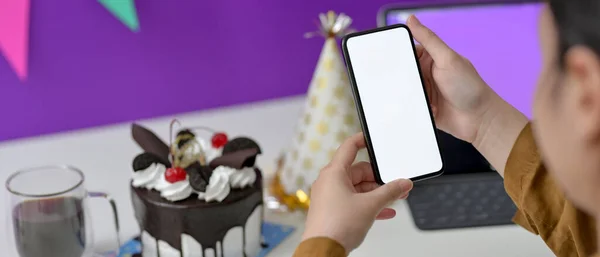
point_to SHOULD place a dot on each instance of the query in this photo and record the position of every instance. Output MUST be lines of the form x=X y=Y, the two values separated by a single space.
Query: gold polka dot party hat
x=329 y=118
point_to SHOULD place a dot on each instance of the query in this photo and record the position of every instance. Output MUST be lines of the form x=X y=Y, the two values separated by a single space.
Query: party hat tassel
x=332 y=25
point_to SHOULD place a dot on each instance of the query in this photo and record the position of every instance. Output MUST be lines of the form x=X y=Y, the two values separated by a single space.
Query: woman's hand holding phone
x=462 y=103
x=346 y=200
x=459 y=97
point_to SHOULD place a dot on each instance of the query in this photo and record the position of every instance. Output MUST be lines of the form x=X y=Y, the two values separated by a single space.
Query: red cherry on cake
x=174 y=175
x=219 y=140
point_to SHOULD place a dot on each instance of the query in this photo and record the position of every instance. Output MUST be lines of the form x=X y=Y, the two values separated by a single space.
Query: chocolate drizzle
x=244 y=240
x=207 y=223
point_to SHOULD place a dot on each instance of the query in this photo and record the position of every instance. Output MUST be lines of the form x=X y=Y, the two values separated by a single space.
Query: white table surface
x=105 y=155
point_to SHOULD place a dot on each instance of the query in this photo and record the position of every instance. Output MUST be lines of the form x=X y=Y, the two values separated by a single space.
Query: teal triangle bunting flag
x=125 y=11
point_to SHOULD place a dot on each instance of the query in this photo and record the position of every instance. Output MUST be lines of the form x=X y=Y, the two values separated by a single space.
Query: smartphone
x=392 y=104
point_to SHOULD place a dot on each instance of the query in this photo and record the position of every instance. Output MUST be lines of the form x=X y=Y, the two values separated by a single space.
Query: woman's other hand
x=346 y=200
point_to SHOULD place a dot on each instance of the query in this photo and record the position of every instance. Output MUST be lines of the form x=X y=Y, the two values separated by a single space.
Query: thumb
x=389 y=192
x=437 y=49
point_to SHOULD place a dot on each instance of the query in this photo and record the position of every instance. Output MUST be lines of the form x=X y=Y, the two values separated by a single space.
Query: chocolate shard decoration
x=148 y=141
x=250 y=162
x=235 y=159
x=240 y=143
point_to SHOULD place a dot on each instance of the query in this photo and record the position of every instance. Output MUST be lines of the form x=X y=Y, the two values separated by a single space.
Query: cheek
x=544 y=123
x=550 y=143
x=547 y=121
x=551 y=133
x=542 y=99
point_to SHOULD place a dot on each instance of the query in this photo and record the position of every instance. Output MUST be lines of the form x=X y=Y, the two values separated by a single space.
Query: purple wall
x=87 y=69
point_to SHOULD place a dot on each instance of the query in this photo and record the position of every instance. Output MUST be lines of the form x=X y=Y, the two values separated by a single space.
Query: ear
x=582 y=66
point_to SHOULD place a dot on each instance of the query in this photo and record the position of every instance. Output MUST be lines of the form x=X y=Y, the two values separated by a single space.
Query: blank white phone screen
x=394 y=104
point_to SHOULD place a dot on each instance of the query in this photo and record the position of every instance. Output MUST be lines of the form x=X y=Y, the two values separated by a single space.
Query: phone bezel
x=359 y=106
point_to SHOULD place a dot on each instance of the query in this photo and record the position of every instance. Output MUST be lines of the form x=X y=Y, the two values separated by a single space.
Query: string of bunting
x=14 y=32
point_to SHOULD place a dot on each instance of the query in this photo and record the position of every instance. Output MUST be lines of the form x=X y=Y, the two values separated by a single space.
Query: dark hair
x=578 y=23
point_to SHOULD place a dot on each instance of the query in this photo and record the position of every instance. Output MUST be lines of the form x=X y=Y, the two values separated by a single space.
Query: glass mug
x=49 y=214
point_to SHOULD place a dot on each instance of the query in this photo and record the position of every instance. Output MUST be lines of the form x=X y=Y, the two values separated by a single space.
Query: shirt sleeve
x=320 y=247
x=542 y=207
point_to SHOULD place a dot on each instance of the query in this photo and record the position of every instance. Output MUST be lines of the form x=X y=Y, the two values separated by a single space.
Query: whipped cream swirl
x=242 y=178
x=149 y=177
x=153 y=177
x=223 y=179
x=218 y=187
x=177 y=191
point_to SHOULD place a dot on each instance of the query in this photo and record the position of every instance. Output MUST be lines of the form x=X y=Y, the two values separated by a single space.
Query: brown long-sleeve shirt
x=542 y=208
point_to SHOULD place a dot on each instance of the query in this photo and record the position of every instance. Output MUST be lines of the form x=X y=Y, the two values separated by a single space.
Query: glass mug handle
x=113 y=205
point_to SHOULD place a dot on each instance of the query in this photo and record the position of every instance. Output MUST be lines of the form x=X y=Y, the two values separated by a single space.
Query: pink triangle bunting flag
x=14 y=34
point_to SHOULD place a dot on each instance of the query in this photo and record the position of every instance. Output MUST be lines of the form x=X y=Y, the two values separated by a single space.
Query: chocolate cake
x=194 y=199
